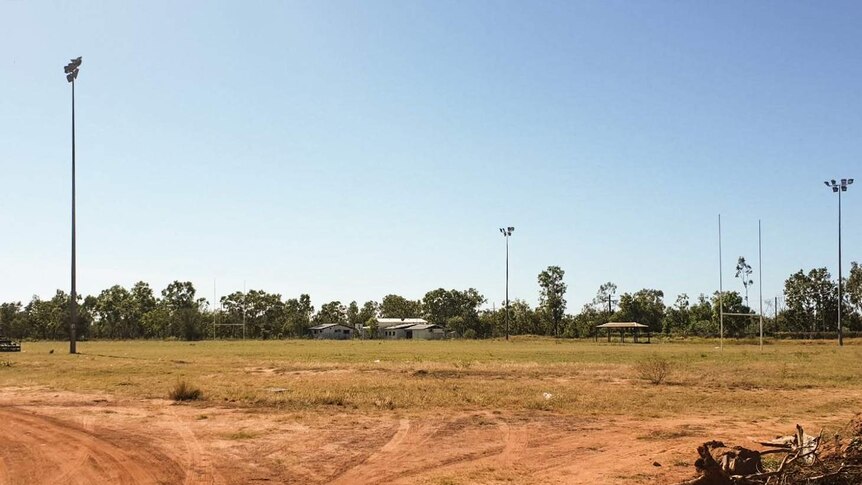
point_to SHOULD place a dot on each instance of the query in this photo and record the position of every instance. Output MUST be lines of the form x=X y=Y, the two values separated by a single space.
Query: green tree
x=552 y=299
x=811 y=300
x=395 y=306
x=701 y=321
x=353 y=318
x=732 y=302
x=332 y=312
x=677 y=319
x=853 y=286
x=114 y=314
x=183 y=310
x=13 y=320
x=743 y=272
x=297 y=316
x=604 y=300
x=645 y=306
x=368 y=311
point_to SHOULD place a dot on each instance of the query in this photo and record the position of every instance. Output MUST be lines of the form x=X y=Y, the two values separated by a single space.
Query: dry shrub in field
x=654 y=369
x=183 y=391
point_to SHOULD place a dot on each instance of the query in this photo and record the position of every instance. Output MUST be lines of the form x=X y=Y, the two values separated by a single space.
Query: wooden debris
x=804 y=462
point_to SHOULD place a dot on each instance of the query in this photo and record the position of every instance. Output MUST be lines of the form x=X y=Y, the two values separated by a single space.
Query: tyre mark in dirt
x=398 y=437
x=407 y=454
x=199 y=468
x=40 y=448
x=347 y=476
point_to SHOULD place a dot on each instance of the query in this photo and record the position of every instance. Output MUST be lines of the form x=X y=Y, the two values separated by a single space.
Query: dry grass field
x=444 y=412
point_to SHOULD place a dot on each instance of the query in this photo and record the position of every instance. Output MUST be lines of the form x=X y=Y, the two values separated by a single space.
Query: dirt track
x=69 y=438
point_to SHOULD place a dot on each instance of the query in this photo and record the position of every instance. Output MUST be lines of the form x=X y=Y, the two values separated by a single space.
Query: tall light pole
x=507 y=232
x=839 y=187
x=71 y=70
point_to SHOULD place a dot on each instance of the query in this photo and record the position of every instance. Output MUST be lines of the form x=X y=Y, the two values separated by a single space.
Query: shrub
x=654 y=369
x=183 y=391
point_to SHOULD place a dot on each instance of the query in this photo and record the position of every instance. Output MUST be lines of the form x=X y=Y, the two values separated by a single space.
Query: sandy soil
x=51 y=437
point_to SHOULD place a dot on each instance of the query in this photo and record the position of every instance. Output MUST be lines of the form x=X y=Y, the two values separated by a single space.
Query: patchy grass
x=241 y=435
x=584 y=378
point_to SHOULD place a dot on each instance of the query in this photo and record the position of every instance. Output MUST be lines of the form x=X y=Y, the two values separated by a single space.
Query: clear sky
x=353 y=149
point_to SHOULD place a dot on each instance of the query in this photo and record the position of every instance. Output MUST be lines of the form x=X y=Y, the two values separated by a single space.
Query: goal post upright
x=760 y=277
x=720 y=291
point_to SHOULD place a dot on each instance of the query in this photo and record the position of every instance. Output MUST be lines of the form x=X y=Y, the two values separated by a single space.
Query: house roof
x=324 y=326
x=403 y=326
x=622 y=325
x=424 y=326
x=402 y=320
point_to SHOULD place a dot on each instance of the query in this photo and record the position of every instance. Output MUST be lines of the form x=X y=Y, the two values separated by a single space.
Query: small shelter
x=331 y=331
x=634 y=328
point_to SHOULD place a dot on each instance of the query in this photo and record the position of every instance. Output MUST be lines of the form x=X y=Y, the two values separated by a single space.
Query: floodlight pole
x=840 y=283
x=71 y=71
x=840 y=187
x=507 y=231
x=74 y=310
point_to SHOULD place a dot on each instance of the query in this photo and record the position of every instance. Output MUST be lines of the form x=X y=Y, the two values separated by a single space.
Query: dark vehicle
x=7 y=345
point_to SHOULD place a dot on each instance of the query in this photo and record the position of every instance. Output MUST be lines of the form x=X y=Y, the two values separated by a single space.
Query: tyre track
x=40 y=449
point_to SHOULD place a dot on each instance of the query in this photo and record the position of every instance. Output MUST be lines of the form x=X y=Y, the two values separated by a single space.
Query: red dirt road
x=77 y=439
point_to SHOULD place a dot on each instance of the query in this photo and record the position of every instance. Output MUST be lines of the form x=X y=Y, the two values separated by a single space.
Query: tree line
x=810 y=305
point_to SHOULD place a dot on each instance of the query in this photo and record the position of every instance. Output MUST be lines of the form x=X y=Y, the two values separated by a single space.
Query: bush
x=654 y=369
x=183 y=391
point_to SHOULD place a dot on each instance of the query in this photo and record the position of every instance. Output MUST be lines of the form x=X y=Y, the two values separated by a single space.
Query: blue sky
x=353 y=149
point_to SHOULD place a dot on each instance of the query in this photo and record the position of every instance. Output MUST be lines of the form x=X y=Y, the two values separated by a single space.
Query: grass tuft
x=183 y=391
x=654 y=369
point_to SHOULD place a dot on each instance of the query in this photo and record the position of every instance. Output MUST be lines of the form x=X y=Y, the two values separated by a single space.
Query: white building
x=418 y=329
x=335 y=331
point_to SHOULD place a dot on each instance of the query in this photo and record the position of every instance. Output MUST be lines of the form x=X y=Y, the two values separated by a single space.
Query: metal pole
x=244 y=303
x=720 y=291
x=760 y=278
x=507 y=286
x=840 y=283
x=214 y=308
x=74 y=296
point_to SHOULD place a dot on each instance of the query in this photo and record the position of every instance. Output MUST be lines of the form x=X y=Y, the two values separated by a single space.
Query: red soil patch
x=79 y=439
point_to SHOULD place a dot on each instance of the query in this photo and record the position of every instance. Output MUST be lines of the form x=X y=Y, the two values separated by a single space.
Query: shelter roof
x=324 y=326
x=622 y=325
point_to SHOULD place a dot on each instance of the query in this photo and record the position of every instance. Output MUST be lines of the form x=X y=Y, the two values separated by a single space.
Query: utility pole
x=71 y=70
